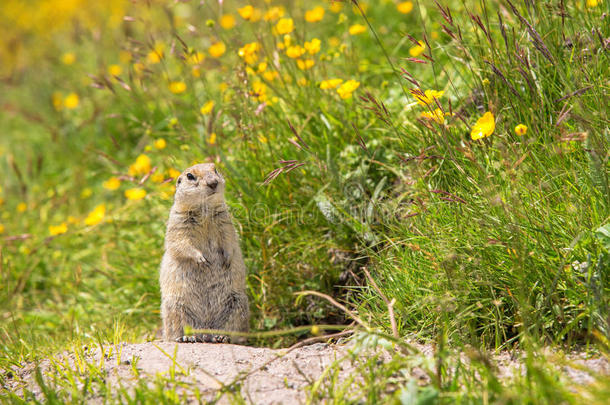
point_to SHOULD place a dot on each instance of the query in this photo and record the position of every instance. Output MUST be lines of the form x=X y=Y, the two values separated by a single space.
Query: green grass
x=492 y=244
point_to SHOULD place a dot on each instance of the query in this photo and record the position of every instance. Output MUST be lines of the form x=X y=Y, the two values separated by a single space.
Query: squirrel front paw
x=201 y=260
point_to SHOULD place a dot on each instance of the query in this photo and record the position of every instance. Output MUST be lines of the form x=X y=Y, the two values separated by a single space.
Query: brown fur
x=203 y=276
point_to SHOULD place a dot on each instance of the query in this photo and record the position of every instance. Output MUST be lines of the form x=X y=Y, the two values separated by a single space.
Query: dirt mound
x=226 y=372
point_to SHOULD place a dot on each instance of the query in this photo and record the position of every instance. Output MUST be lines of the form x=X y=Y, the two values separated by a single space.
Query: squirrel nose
x=212 y=184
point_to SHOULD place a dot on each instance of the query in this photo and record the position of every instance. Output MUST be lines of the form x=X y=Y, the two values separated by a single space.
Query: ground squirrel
x=203 y=276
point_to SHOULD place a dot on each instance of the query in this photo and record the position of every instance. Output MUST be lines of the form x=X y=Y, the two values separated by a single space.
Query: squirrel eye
x=179 y=181
x=190 y=176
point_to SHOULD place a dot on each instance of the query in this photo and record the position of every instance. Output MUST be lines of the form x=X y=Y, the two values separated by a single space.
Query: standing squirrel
x=203 y=275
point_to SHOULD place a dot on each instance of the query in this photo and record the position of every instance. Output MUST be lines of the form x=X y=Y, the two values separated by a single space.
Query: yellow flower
x=58 y=229
x=135 y=194
x=274 y=13
x=1 y=229
x=484 y=127
x=68 y=58
x=305 y=64
x=195 y=58
x=217 y=49
x=207 y=107
x=330 y=83
x=259 y=90
x=520 y=129
x=427 y=97
x=173 y=173
x=212 y=139
x=246 y=12
x=196 y=71
x=314 y=15
x=295 y=51
x=405 y=7
x=177 y=87
x=357 y=29
x=261 y=67
x=346 y=89
x=96 y=216
x=302 y=82
x=112 y=184
x=141 y=166
x=284 y=26
x=58 y=100
x=227 y=21
x=417 y=50
x=336 y=6
x=160 y=143
x=71 y=101
x=156 y=54
x=157 y=177
x=593 y=3
x=114 y=70
x=270 y=75
x=313 y=46
x=437 y=115
x=172 y=122
x=249 y=52
x=138 y=68
x=22 y=207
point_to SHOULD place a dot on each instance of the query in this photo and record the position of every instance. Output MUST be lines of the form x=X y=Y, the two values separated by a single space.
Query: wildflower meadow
x=397 y=171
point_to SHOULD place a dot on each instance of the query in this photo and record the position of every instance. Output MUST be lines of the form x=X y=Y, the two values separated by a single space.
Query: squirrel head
x=200 y=186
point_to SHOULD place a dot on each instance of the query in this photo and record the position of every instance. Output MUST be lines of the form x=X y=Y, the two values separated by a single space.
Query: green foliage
x=501 y=242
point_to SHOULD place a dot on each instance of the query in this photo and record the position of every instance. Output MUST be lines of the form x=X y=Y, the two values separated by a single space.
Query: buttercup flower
x=58 y=229
x=114 y=70
x=112 y=184
x=207 y=107
x=437 y=115
x=160 y=143
x=520 y=129
x=305 y=64
x=330 y=83
x=212 y=138
x=274 y=13
x=346 y=89
x=246 y=12
x=314 y=15
x=427 y=97
x=135 y=194
x=357 y=29
x=217 y=49
x=141 y=166
x=405 y=7
x=249 y=52
x=177 y=87
x=313 y=46
x=195 y=58
x=68 y=58
x=227 y=21
x=484 y=127
x=71 y=101
x=295 y=51
x=96 y=216
x=417 y=50
x=284 y=26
